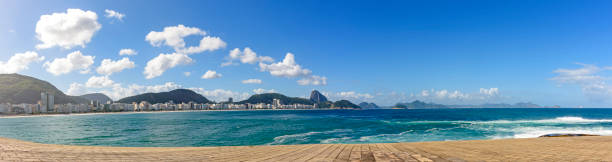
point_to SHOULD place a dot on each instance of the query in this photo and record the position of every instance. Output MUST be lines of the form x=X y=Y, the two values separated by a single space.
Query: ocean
x=283 y=127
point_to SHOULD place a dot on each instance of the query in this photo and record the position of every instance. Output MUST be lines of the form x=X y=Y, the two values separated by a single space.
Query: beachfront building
x=47 y=102
x=5 y=108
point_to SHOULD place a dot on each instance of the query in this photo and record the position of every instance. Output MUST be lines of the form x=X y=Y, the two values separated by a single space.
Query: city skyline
x=385 y=52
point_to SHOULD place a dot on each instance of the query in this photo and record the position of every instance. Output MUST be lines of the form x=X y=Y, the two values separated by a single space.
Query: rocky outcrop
x=317 y=97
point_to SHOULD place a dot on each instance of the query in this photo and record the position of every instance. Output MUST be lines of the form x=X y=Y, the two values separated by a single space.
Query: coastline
x=587 y=148
x=148 y=112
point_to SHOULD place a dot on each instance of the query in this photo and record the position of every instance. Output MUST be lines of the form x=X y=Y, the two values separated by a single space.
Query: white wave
x=335 y=140
x=303 y=136
x=532 y=132
x=568 y=119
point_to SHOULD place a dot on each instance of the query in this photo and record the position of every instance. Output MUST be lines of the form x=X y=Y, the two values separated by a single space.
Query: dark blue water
x=225 y=128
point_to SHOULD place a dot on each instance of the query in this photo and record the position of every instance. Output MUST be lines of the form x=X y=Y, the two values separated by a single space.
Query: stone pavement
x=534 y=149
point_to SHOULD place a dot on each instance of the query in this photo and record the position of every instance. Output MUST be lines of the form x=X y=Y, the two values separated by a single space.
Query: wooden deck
x=536 y=149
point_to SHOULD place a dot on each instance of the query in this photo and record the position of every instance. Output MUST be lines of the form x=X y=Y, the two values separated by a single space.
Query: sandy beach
x=593 y=148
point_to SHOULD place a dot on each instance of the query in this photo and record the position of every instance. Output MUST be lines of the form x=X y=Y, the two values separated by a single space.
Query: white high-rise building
x=46 y=102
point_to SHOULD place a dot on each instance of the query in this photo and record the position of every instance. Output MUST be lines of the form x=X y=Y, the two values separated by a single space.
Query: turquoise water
x=230 y=128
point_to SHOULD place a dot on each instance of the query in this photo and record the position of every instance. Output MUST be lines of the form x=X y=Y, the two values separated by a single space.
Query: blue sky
x=453 y=52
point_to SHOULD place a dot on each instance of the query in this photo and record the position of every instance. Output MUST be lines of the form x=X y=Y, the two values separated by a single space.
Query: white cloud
x=109 y=67
x=221 y=94
x=246 y=56
x=252 y=81
x=73 y=61
x=313 y=80
x=287 y=68
x=489 y=92
x=444 y=95
x=173 y=36
x=76 y=89
x=261 y=90
x=158 y=65
x=74 y=27
x=99 y=82
x=206 y=44
x=593 y=85
x=210 y=74
x=114 y=14
x=353 y=96
x=187 y=73
x=19 y=62
x=127 y=51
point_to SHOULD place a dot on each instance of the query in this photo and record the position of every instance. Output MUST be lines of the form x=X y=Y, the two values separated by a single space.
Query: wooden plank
x=345 y=154
x=378 y=153
x=314 y=153
x=356 y=153
x=366 y=153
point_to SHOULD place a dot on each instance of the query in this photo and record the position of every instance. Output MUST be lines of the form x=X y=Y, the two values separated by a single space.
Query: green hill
x=15 y=88
x=344 y=104
x=97 y=97
x=268 y=97
x=177 y=96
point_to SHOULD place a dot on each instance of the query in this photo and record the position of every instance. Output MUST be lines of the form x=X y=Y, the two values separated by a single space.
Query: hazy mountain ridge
x=421 y=104
x=177 y=96
x=97 y=97
x=16 y=89
x=268 y=97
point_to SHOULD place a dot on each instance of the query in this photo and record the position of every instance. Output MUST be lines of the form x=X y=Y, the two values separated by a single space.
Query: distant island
x=421 y=104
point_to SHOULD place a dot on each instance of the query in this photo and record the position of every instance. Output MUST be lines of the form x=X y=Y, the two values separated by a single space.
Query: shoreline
x=148 y=112
x=586 y=148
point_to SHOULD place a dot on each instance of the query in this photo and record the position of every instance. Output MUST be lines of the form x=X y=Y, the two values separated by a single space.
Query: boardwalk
x=537 y=149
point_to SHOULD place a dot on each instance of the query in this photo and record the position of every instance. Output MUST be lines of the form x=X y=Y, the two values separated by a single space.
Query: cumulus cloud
x=588 y=77
x=313 y=80
x=109 y=67
x=252 y=81
x=173 y=36
x=19 y=62
x=127 y=51
x=74 y=27
x=286 y=68
x=158 y=65
x=99 y=82
x=210 y=74
x=352 y=95
x=187 y=73
x=76 y=89
x=261 y=90
x=489 y=92
x=73 y=61
x=114 y=14
x=246 y=56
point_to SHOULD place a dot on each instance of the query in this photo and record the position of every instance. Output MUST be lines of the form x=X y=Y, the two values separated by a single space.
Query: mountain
x=317 y=97
x=366 y=105
x=177 y=96
x=268 y=97
x=15 y=88
x=419 y=104
x=344 y=104
x=97 y=97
